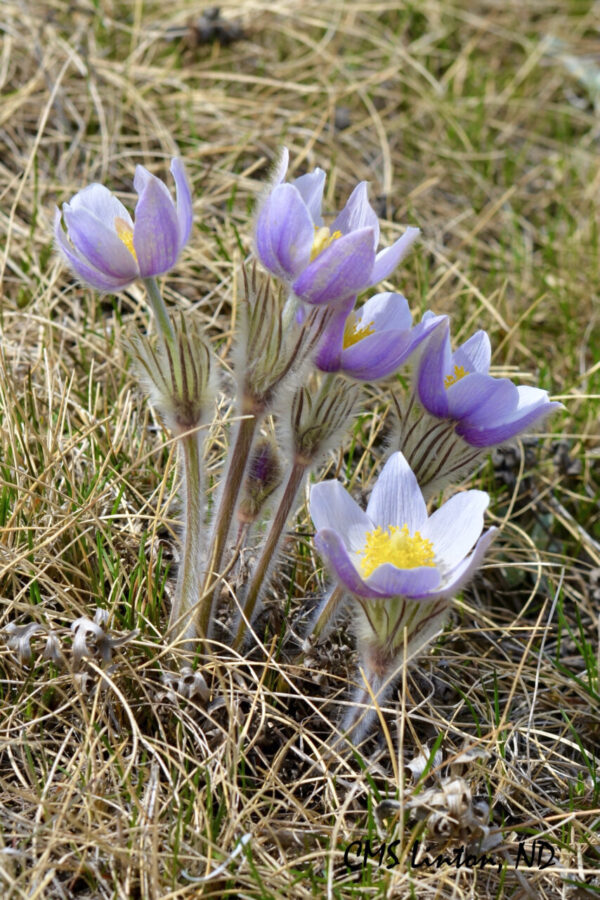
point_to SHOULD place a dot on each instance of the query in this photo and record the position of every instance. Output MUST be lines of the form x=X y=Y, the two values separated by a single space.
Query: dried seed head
x=19 y=637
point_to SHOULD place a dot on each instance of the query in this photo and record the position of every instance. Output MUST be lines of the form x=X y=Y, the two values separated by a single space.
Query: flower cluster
x=305 y=346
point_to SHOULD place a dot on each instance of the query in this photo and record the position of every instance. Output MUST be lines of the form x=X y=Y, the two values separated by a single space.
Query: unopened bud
x=318 y=422
x=264 y=477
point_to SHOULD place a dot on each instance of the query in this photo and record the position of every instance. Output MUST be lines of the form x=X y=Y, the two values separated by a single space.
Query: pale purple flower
x=108 y=250
x=321 y=264
x=373 y=341
x=457 y=386
x=394 y=549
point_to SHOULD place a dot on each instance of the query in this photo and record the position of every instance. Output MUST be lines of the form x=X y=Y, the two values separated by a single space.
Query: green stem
x=165 y=329
x=189 y=576
x=286 y=503
x=238 y=458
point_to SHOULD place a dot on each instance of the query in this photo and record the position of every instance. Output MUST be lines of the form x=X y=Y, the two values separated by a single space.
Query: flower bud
x=264 y=477
x=317 y=422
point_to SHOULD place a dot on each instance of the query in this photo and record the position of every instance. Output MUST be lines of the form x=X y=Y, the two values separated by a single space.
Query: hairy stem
x=238 y=459
x=326 y=612
x=189 y=577
x=165 y=329
x=267 y=554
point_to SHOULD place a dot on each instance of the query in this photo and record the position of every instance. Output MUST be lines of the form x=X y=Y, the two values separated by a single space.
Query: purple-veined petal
x=310 y=188
x=433 y=365
x=284 y=232
x=377 y=355
x=476 y=392
x=156 y=229
x=486 y=431
x=82 y=269
x=331 y=547
x=340 y=271
x=396 y=498
x=357 y=214
x=455 y=526
x=328 y=357
x=185 y=213
x=387 y=260
x=475 y=355
x=101 y=202
x=392 y=582
x=98 y=242
x=332 y=508
x=464 y=571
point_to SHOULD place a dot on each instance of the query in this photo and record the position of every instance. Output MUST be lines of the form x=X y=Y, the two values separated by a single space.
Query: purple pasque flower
x=458 y=386
x=107 y=249
x=323 y=264
x=373 y=341
x=395 y=549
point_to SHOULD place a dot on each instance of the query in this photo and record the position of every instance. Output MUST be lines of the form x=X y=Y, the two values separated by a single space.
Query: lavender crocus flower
x=394 y=549
x=323 y=264
x=457 y=386
x=375 y=340
x=106 y=249
x=400 y=567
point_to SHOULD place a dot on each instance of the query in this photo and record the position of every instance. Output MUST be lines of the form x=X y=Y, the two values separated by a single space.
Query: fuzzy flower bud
x=178 y=379
x=318 y=422
x=264 y=476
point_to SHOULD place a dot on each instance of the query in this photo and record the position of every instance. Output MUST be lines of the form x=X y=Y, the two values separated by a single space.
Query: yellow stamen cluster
x=396 y=546
x=459 y=372
x=353 y=333
x=125 y=234
x=322 y=240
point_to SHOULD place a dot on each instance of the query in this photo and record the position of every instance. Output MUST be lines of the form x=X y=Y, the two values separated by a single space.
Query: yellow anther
x=396 y=546
x=353 y=333
x=459 y=372
x=322 y=240
x=125 y=234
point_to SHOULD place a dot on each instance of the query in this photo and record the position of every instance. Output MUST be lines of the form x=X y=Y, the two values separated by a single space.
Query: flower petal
x=99 y=243
x=102 y=203
x=156 y=229
x=83 y=269
x=340 y=271
x=455 y=526
x=377 y=355
x=310 y=187
x=386 y=311
x=392 y=582
x=475 y=392
x=396 y=498
x=464 y=571
x=495 y=425
x=357 y=214
x=387 y=260
x=331 y=547
x=434 y=363
x=185 y=213
x=284 y=232
x=475 y=355
x=328 y=358
x=332 y=508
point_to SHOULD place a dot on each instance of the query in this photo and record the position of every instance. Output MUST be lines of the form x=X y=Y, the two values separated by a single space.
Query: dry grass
x=468 y=121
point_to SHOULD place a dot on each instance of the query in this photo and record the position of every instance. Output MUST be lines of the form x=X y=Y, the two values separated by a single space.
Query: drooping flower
x=457 y=386
x=108 y=250
x=323 y=264
x=394 y=549
x=373 y=341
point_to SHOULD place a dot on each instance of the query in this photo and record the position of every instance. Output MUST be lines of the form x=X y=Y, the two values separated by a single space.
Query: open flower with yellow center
x=322 y=264
x=374 y=340
x=395 y=549
x=457 y=386
x=108 y=250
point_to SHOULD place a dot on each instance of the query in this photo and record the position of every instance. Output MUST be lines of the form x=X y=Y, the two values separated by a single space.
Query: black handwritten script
x=361 y=853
